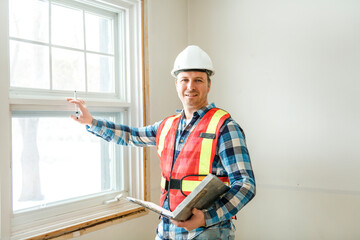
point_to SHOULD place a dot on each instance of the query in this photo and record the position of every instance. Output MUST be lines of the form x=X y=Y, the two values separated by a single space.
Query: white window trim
x=25 y=227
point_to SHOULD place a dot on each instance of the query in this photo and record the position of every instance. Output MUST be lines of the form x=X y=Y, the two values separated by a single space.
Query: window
x=60 y=173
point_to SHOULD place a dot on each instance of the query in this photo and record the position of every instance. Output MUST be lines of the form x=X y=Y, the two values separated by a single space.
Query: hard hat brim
x=175 y=72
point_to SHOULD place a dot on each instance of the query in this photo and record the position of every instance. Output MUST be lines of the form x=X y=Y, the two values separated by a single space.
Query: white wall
x=288 y=72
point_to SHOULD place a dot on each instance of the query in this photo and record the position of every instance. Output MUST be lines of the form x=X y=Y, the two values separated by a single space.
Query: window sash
x=116 y=184
x=119 y=15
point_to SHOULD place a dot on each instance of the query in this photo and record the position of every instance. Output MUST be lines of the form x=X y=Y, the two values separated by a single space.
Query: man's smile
x=191 y=94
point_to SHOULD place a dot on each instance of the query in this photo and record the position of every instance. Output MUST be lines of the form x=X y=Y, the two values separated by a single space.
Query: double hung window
x=60 y=173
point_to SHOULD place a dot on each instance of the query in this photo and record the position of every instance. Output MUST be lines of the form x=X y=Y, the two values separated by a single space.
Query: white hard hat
x=193 y=58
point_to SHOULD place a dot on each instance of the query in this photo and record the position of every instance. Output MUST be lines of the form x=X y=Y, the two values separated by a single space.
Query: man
x=201 y=139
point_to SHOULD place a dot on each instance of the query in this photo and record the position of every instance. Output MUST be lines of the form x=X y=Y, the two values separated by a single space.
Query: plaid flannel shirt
x=231 y=159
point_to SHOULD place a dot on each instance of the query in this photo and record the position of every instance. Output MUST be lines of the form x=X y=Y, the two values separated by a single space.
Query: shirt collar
x=199 y=113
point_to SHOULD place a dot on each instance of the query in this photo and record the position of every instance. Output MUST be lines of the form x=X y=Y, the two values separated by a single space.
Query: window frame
x=22 y=225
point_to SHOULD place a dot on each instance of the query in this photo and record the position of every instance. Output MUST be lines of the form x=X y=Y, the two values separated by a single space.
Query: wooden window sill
x=92 y=225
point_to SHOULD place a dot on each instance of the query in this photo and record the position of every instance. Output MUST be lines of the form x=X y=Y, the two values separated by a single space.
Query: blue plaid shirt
x=231 y=159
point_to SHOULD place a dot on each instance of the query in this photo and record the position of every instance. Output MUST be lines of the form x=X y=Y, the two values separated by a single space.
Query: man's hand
x=196 y=220
x=85 y=116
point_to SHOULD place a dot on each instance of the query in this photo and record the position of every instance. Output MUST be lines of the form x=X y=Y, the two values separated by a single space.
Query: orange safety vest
x=194 y=161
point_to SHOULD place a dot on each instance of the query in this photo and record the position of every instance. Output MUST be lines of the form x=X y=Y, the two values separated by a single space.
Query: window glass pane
x=68 y=69
x=54 y=158
x=29 y=65
x=67 y=27
x=65 y=51
x=99 y=33
x=29 y=19
x=100 y=73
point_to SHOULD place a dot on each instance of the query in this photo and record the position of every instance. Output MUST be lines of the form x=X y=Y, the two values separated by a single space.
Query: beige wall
x=288 y=72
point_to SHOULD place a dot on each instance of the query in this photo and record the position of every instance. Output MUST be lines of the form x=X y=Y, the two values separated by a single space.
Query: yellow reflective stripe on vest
x=189 y=185
x=206 y=145
x=164 y=132
x=163 y=181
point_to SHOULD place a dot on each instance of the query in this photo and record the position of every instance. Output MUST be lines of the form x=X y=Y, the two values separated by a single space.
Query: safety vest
x=195 y=159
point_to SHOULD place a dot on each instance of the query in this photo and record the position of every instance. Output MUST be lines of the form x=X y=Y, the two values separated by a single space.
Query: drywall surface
x=288 y=72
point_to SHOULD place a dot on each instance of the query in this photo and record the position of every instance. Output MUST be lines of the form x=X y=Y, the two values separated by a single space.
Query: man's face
x=192 y=89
